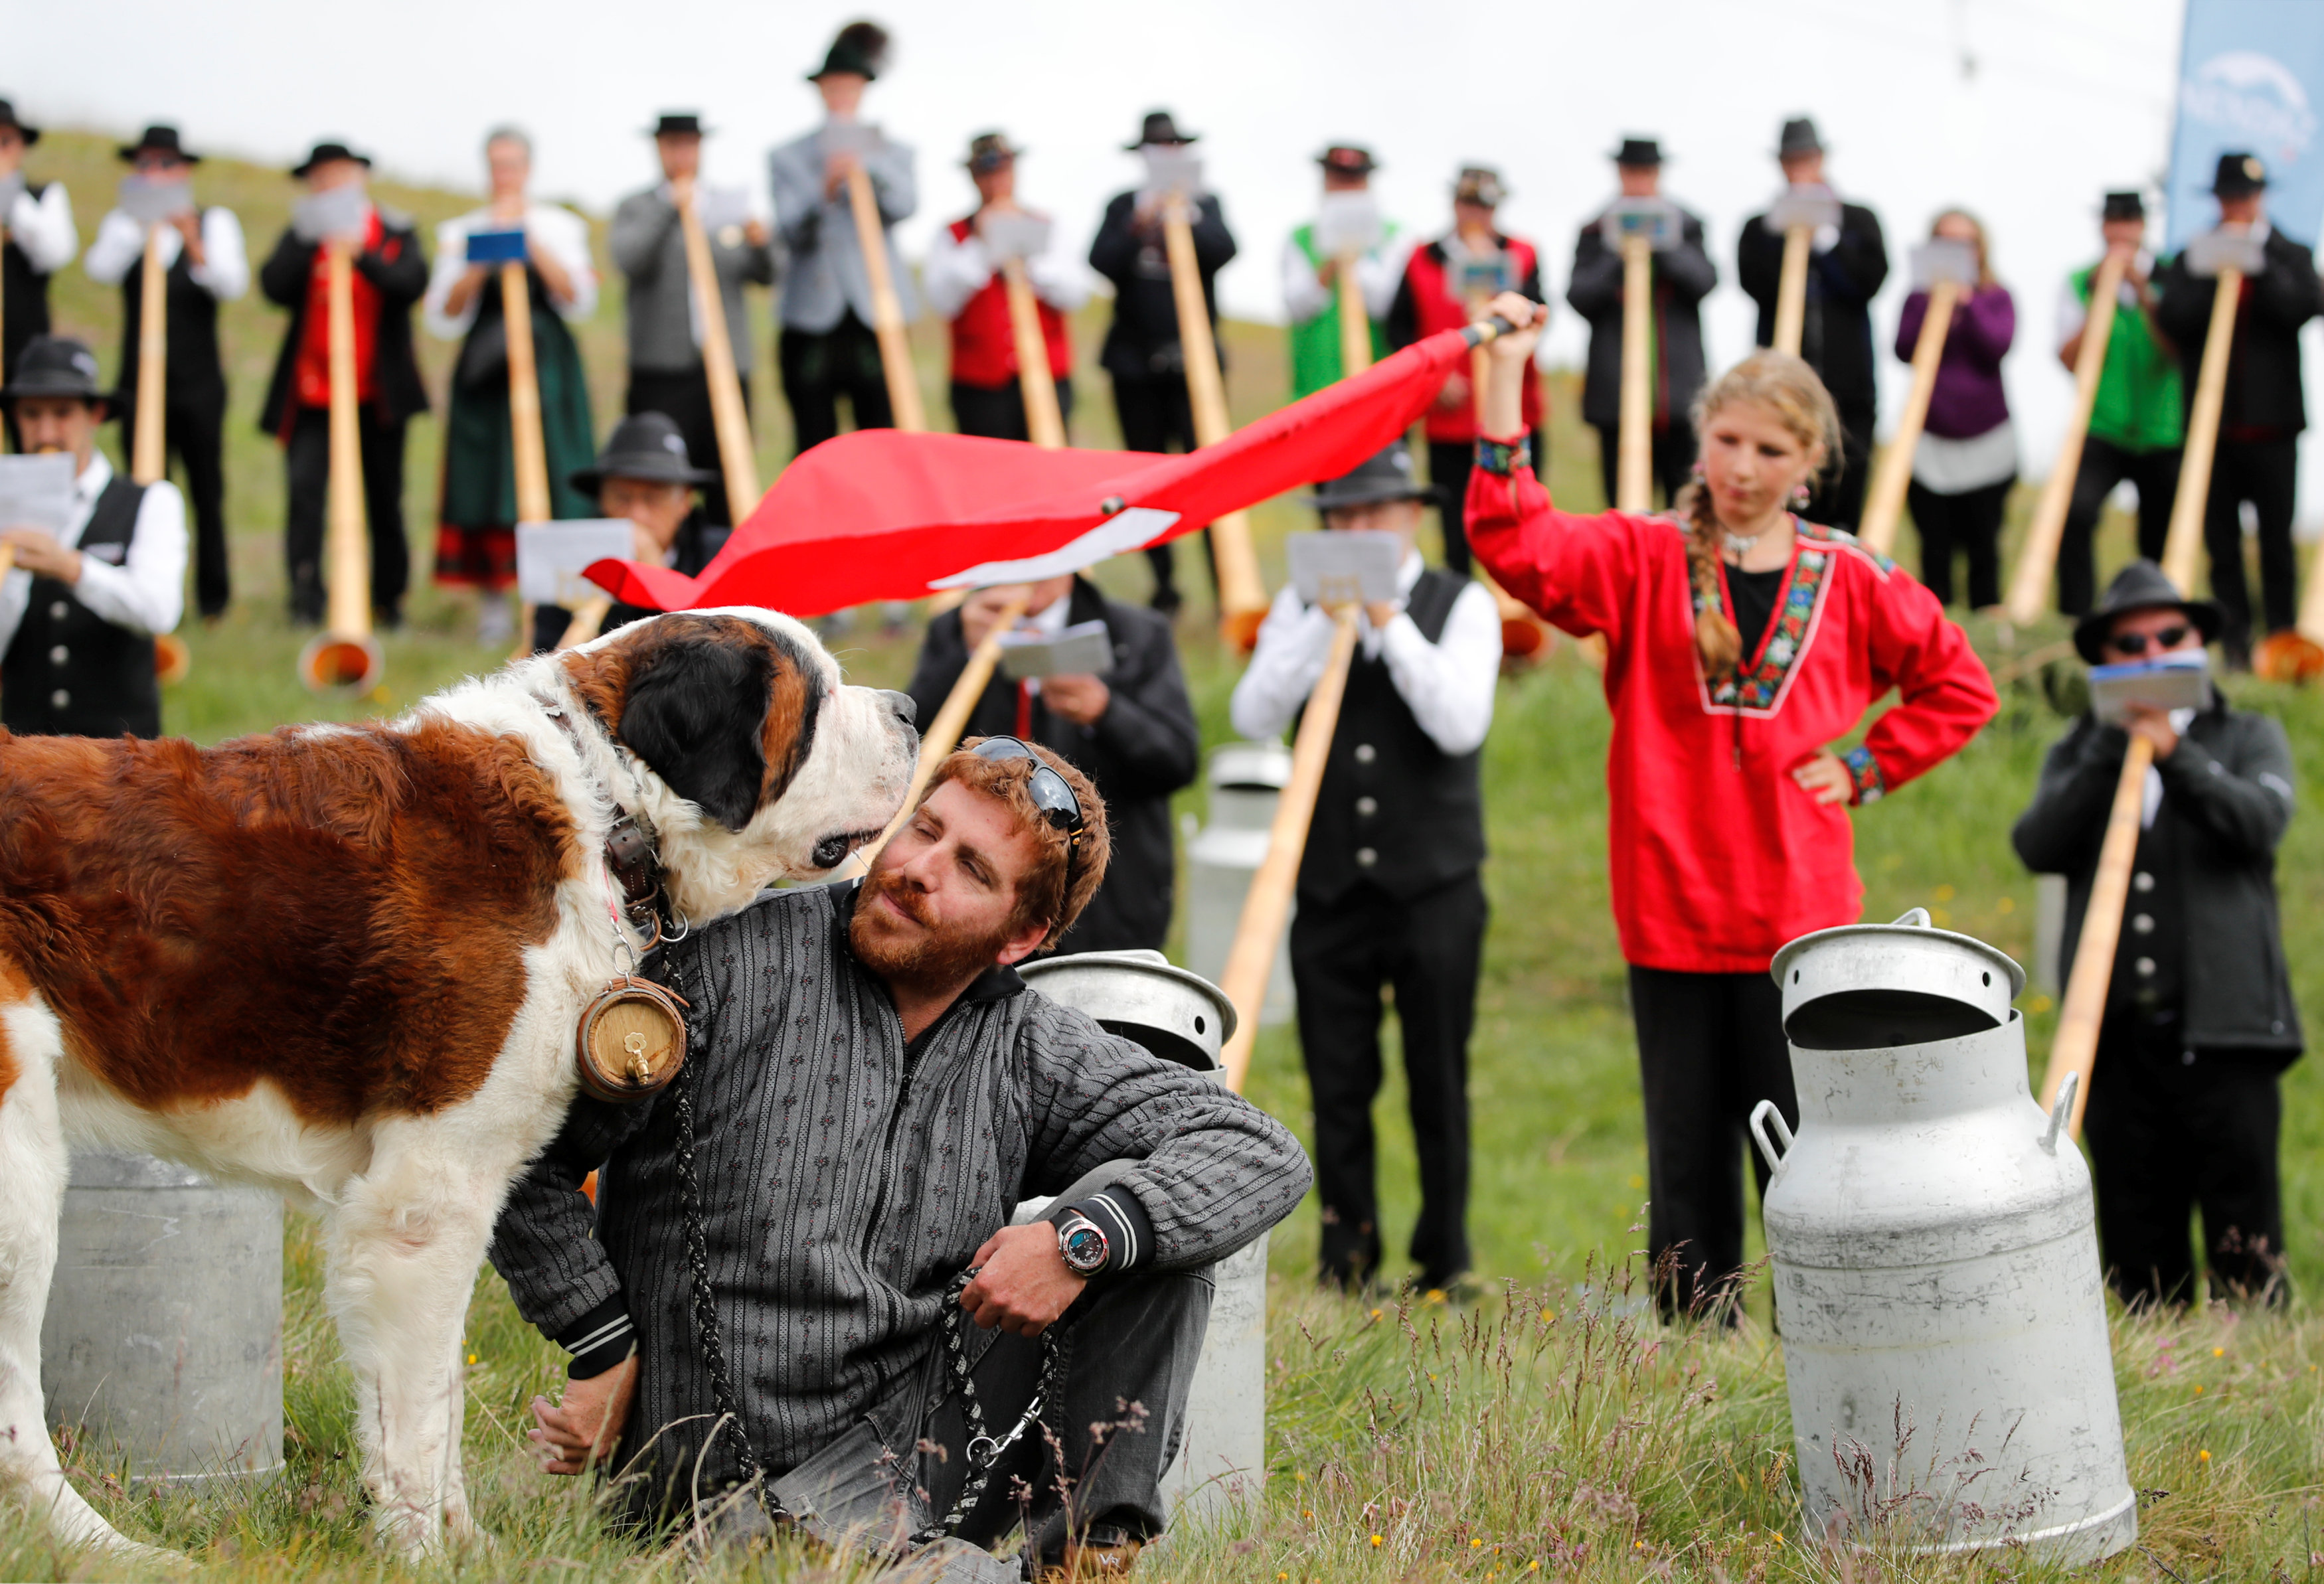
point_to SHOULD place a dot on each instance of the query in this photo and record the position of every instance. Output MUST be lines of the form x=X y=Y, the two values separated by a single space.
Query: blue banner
x=2251 y=81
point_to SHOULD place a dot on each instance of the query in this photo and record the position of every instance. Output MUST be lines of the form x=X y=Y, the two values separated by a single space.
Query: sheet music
x=37 y=492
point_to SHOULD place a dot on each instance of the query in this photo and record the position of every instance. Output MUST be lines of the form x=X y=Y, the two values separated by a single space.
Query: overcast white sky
x=2023 y=110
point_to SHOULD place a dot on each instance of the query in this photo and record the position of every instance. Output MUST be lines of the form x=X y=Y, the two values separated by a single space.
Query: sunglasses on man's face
x=2137 y=643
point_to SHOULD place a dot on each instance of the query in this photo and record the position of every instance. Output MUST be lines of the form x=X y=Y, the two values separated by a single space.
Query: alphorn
x=528 y=447
x=1798 y=212
x=2082 y=1009
x=1945 y=268
x=1044 y=422
x=2030 y=584
x=887 y=308
x=149 y=454
x=1641 y=227
x=344 y=655
x=943 y=733
x=1355 y=318
x=1242 y=593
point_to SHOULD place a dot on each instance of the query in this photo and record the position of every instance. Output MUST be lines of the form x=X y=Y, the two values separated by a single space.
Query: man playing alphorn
x=1846 y=263
x=1142 y=353
x=964 y=283
x=648 y=245
x=825 y=345
x=207 y=264
x=1682 y=277
x=870 y=1091
x=1312 y=282
x=1389 y=887
x=1445 y=284
x=2139 y=418
x=42 y=240
x=2184 y=1106
x=80 y=613
x=2264 y=410
x=645 y=475
x=390 y=274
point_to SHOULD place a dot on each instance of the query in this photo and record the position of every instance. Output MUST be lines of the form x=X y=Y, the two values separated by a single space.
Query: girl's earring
x=1800 y=495
x=1699 y=475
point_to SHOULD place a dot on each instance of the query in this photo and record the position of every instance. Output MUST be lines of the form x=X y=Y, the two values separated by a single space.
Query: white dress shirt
x=1447 y=685
x=120 y=247
x=957 y=270
x=1379 y=271
x=43 y=228
x=146 y=593
x=559 y=233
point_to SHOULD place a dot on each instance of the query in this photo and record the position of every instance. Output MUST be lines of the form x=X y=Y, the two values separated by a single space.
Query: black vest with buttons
x=1395 y=811
x=69 y=672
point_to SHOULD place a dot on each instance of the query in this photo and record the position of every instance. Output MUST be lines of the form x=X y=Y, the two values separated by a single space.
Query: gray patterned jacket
x=823 y=276
x=846 y=1178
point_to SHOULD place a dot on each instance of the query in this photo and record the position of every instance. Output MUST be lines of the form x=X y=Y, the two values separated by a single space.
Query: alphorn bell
x=2083 y=1009
x=2030 y=584
x=148 y=455
x=1242 y=593
x=887 y=308
x=528 y=448
x=344 y=655
x=1945 y=268
x=1799 y=213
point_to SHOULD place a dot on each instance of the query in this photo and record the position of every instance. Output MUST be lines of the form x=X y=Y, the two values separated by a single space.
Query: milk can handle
x=2058 y=1111
x=1761 y=1114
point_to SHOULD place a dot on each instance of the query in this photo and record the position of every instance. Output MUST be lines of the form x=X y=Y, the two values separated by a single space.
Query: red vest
x=313 y=386
x=1437 y=305
x=984 y=344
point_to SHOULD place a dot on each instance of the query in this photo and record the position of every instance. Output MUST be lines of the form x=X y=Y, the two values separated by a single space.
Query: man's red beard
x=915 y=950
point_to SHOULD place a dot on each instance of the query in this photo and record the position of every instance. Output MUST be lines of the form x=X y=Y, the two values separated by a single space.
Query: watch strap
x=1128 y=1234
x=1504 y=457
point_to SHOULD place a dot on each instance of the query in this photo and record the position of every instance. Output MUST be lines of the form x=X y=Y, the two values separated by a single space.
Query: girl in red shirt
x=1740 y=642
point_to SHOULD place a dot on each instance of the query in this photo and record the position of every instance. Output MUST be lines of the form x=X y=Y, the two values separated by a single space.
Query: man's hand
x=1079 y=699
x=836 y=168
x=982 y=610
x=190 y=229
x=1380 y=614
x=754 y=232
x=681 y=191
x=39 y=553
x=1023 y=1283
x=2154 y=725
x=1825 y=779
x=585 y=1425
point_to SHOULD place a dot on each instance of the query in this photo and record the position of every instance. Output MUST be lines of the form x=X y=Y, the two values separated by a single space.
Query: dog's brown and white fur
x=347 y=962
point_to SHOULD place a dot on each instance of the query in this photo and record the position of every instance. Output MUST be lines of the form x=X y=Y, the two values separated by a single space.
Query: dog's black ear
x=696 y=713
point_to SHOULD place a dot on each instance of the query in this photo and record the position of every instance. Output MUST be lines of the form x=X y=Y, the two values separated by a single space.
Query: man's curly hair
x=1041 y=895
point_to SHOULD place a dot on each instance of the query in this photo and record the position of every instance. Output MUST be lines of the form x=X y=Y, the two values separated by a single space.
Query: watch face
x=1086 y=1250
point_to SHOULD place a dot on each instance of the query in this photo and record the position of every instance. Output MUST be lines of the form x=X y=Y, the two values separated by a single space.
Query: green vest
x=1315 y=342
x=2139 y=406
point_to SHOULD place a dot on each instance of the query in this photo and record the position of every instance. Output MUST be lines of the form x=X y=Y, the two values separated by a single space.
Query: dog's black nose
x=901 y=703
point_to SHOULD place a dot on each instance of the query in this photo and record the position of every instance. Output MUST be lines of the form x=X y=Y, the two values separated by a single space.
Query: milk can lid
x=1863 y=986
x=1258 y=767
x=1142 y=995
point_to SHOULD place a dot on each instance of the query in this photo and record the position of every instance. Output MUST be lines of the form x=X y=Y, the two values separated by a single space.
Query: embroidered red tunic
x=984 y=340
x=1718 y=857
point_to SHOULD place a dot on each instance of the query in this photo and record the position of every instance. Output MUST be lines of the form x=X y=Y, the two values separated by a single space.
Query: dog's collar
x=631 y=854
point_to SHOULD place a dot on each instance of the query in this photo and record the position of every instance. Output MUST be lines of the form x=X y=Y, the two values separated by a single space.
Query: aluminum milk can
x=1245 y=782
x=1936 y=1260
x=163 y=1337
x=1184 y=1017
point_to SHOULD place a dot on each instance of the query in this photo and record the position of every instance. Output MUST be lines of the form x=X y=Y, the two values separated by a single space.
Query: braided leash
x=983 y=1450
x=707 y=1334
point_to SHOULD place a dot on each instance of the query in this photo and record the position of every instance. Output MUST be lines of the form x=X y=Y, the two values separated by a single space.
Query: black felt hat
x=2124 y=205
x=30 y=134
x=989 y=152
x=678 y=124
x=1639 y=153
x=324 y=153
x=1348 y=159
x=2240 y=175
x=161 y=140
x=1798 y=137
x=860 y=50
x=645 y=445
x=2142 y=587
x=1385 y=476
x=1160 y=128
x=54 y=365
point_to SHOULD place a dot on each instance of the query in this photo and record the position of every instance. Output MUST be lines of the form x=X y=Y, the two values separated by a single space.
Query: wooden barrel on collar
x=632 y=1040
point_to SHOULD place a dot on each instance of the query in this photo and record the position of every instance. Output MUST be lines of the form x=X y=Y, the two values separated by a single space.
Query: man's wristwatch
x=1082 y=1243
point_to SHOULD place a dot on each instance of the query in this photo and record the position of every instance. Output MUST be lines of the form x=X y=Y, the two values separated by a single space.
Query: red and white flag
x=879 y=514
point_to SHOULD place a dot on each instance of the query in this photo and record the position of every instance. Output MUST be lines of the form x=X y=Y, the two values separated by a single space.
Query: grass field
x=1545 y=1432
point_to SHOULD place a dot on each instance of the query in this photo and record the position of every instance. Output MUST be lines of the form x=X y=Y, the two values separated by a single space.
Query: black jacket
x=1682 y=277
x=1836 y=337
x=398 y=269
x=2227 y=798
x=194 y=370
x=23 y=296
x=1143 y=342
x=1144 y=747
x=2263 y=369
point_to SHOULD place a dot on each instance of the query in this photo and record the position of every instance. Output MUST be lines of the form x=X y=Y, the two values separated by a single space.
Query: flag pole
x=1242 y=593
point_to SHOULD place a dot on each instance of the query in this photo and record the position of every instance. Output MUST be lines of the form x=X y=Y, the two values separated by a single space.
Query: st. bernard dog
x=347 y=963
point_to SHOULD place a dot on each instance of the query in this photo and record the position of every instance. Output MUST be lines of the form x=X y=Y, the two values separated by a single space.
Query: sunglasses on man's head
x=1051 y=794
x=2137 y=643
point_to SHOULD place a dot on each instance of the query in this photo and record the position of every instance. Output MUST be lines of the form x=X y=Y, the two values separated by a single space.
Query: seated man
x=788 y=1240
x=646 y=475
